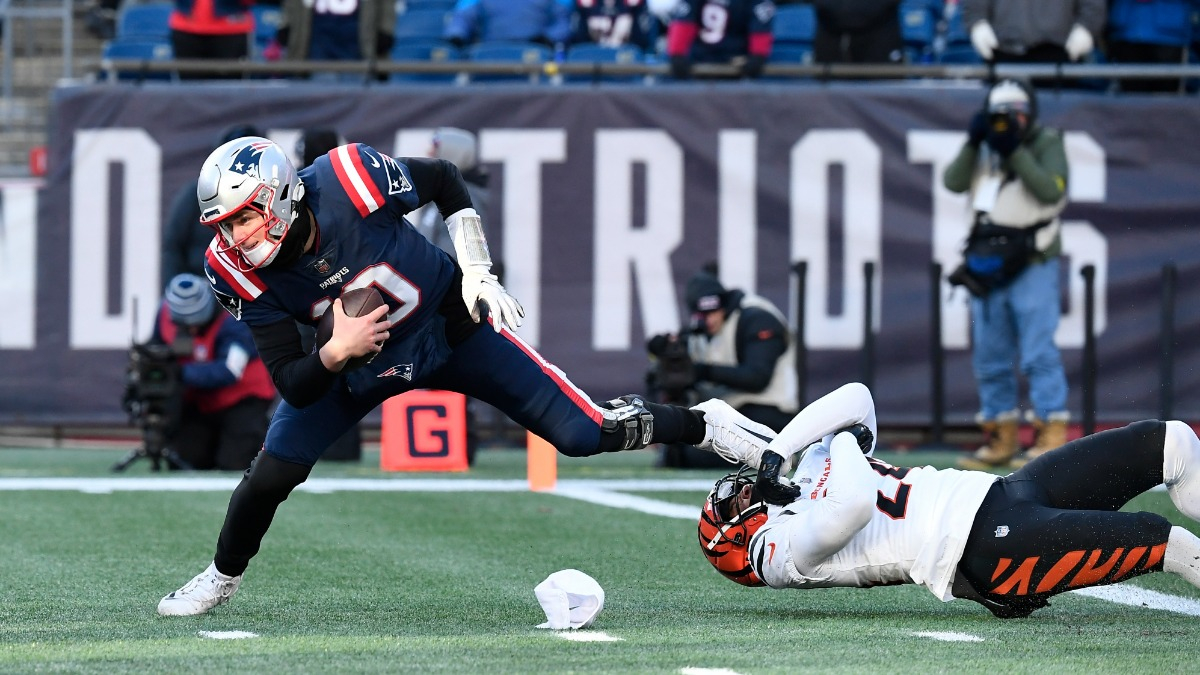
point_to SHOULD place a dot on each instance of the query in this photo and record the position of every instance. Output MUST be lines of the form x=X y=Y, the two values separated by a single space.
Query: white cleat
x=731 y=434
x=207 y=590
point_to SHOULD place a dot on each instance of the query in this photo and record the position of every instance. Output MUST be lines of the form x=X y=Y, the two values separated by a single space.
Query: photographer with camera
x=225 y=389
x=1015 y=175
x=738 y=348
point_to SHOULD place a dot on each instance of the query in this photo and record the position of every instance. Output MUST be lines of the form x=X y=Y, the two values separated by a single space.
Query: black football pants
x=1054 y=525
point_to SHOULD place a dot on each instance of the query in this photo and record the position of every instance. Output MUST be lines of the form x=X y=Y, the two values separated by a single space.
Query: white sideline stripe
x=949 y=636
x=708 y=671
x=1125 y=594
x=327 y=485
x=227 y=634
x=623 y=501
x=587 y=636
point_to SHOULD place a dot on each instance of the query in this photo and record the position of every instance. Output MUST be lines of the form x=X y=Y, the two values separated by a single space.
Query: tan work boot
x=1051 y=435
x=1001 y=447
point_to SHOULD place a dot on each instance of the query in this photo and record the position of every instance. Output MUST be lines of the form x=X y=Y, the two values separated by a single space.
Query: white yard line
x=586 y=636
x=227 y=634
x=949 y=636
x=1125 y=594
x=708 y=671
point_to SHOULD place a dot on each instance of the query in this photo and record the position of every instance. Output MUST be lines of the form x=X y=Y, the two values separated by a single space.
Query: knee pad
x=1181 y=468
x=270 y=476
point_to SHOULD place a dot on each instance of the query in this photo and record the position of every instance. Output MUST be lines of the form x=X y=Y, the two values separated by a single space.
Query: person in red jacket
x=226 y=388
x=211 y=29
x=720 y=31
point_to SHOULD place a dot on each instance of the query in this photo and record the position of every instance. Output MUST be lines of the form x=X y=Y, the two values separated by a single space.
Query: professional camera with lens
x=151 y=380
x=673 y=373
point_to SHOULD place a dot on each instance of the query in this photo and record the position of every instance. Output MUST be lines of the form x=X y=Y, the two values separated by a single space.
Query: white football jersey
x=862 y=522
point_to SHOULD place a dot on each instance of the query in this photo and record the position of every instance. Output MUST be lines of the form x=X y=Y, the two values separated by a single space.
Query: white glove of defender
x=983 y=38
x=479 y=285
x=1079 y=43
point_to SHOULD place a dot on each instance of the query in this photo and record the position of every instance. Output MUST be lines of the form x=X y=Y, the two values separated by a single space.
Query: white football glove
x=479 y=285
x=983 y=38
x=1079 y=43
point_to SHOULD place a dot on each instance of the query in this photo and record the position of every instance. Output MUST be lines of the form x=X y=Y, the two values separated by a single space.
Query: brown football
x=355 y=302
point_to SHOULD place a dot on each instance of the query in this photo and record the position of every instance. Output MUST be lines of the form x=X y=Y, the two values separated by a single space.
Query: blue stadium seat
x=266 y=23
x=146 y=22
x=956 y=32
x=444 y=5
x=917 y=24
x=960 y=53
x=149 y=50
x=425 y=50
x=802 y=54
x=421 y=24
x=517 y=52
x=593 y=53
x=795 y=24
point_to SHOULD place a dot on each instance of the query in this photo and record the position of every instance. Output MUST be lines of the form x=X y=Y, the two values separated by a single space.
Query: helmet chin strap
x=292 y=246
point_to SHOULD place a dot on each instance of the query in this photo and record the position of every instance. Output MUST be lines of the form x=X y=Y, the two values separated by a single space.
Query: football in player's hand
x=356 y=302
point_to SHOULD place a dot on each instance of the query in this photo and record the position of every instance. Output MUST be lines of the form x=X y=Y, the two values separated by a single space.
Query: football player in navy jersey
x=287 y=245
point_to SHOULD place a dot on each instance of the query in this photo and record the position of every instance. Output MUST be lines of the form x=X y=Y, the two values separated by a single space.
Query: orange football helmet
x=725 y=535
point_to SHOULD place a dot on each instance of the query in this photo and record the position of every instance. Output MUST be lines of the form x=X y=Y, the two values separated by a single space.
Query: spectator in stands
x=1150 y=31
x=101 y=18
x=337 y=31
x=211 y=29
x=544 y=21
x=729 y=31
x=226 y=387
x=858 y=31
x=1033 y=31
x=184 y=239
x=613 y=23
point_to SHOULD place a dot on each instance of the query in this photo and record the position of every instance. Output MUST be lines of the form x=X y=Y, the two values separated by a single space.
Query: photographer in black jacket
x=737 y=348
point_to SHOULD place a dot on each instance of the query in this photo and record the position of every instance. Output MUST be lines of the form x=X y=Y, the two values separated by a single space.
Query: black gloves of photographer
x=769 y=486
x=978 y=129
x=1004 y=142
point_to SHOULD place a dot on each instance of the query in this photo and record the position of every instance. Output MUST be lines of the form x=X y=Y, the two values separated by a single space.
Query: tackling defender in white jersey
x=1009 y=543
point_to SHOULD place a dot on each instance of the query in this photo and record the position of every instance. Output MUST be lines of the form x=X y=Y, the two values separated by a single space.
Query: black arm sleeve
x=438 y=181
x=300 y=378
x=761 y=340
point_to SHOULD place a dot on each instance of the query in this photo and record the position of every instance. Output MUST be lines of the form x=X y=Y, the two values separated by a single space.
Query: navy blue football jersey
x=358 y=197
x=724 y=26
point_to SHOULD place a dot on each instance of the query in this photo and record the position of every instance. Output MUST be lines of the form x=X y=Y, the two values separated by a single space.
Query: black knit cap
x=705 y=293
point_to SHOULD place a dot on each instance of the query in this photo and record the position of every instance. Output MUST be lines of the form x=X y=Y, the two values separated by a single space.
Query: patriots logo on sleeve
x=231 y=303
x=358 y=167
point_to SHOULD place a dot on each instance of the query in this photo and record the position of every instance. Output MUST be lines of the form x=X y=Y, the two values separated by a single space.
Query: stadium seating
x=514 y=52
x=791 y=54
x=918 y=25
x=443 y=5
x=421 y=24
x=592 y=53
x=795 y=24
x=266 y=22
x=424 y=50
x=133 y=48
x=144 y=22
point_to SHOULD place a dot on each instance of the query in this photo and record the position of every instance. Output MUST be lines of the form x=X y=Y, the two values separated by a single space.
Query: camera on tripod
x=154 y=400
x=151 y=380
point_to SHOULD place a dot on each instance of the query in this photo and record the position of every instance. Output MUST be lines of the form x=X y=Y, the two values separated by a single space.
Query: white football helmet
x=249 y=173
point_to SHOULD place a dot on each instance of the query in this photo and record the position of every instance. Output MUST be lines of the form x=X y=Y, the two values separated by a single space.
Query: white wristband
x=466 y=231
